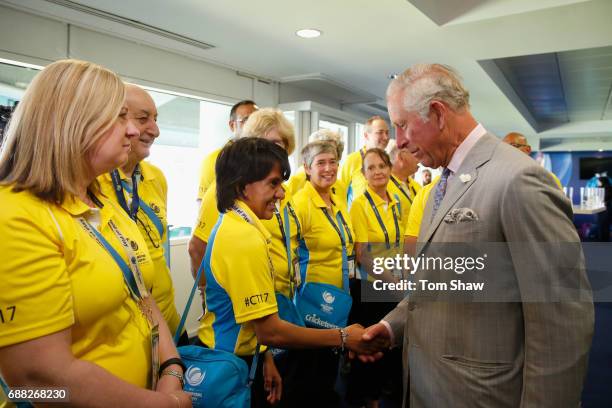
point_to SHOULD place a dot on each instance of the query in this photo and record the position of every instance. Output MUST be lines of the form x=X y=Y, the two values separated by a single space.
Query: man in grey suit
x=528 y=347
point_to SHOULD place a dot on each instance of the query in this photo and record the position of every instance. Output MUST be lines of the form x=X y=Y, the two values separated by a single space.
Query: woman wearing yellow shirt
x=326 y=261
x=241 y=309
x=141 y=190
x=267 y=123
x=376 y=218
x=76 y=273
x=298 y=179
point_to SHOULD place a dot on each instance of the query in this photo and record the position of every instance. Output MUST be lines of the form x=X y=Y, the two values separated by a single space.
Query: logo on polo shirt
x=194 y=376
x=134 y=245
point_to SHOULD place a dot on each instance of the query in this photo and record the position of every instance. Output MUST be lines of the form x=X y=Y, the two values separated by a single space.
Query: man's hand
x=273 y=383
x=357 y=343
x=375 y=334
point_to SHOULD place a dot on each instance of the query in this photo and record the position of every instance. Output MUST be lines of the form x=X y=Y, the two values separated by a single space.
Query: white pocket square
x=457 y=215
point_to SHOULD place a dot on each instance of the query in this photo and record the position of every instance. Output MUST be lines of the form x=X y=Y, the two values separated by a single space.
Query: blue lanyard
x=401 y=188
x=128 y=275
x=340 y=231
x=382 y=224
x=159 y=226
x=119 y=186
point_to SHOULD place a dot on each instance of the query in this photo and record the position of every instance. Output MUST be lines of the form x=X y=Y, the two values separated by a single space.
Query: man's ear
x=439 y=111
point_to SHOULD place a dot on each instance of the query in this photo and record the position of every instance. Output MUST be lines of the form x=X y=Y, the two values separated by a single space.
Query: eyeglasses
x=149 y=231
x=241 y=121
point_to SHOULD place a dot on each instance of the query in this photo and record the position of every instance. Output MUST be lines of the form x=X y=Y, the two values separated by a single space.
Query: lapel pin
x=465 y=177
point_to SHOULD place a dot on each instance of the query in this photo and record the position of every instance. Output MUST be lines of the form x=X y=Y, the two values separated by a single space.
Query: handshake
x=367 y=343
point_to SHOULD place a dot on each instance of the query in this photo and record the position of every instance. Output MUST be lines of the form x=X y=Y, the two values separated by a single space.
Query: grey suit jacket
x=499 y=354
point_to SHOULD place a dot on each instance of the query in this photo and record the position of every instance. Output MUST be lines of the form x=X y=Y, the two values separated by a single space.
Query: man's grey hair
x=328 y=135
x=424 y=83
x=313 y=149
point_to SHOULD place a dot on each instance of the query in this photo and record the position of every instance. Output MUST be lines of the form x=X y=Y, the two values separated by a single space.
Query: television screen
x=591 y=165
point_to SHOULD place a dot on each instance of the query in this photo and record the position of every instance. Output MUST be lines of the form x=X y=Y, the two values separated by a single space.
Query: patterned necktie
x=440 y=191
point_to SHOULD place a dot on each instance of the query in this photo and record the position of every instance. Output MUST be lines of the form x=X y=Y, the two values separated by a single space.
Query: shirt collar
x=464 y=148
x=378 y=201
x=315 y=197
x=74 y=205
x=255 y=221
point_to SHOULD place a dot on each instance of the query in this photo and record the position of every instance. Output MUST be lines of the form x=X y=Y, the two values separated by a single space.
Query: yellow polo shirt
x=404 y=192
x=367 y=227
x=298 y=180
x=239 y=283
x=557 y=181
x=207 y=218
x=207 y=172
x=418 y=206
x=152 y=191
x=351 y=175
x=320 y=249
x=55 y=276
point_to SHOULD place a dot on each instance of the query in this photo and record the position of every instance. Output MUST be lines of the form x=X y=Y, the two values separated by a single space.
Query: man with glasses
x=238 y=116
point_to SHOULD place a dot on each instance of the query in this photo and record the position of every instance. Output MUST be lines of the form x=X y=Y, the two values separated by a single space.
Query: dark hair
x=239 y=104
x=243 y=162
x=381 y=153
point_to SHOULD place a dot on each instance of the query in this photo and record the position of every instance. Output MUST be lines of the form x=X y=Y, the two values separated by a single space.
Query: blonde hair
x=264 y=120
x=424 y=83
x=327 y=135
x=65 y=110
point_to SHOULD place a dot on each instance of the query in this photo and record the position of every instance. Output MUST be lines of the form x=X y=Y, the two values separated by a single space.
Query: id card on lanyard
x=134 y=281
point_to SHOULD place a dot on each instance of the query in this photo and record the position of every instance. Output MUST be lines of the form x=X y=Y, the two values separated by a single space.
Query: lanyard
x=340 y=231
x=119 y=186
x=131 y=273
x=159 y=226
x=382 y=224
x=248 y=219
x=401 y=188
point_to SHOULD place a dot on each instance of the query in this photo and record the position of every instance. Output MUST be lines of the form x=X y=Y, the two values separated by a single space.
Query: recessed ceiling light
x=308 y=33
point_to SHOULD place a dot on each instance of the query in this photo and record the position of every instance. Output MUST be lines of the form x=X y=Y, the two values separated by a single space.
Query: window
x=190 y=129
x=359 y=130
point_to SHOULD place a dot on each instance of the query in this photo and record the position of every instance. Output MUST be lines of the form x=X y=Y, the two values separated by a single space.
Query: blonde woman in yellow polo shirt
x=241 y=308
x=326 y=260
x=141 y=190
x=76 y=274
x=376 y=217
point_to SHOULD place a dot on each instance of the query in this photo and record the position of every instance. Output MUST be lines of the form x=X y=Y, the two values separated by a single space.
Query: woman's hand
x=273 y=383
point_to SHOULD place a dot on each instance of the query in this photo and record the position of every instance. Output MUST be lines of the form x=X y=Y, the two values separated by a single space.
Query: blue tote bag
x=216 y=378
x=325 y=306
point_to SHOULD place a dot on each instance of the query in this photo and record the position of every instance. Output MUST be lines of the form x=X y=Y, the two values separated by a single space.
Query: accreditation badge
x=297 y=276
x=351 y=266
x=154 y=356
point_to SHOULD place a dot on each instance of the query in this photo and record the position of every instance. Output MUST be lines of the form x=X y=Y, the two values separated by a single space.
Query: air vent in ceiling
x=131 y=23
